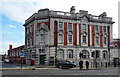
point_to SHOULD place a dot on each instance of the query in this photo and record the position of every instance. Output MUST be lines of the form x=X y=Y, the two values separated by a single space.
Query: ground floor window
x=104 y=54
x=85 y=54
x=60 y=54
x=70 y=54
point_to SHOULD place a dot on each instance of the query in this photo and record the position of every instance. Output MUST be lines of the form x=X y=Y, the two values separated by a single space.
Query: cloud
x=19 y=11
x=12 y=26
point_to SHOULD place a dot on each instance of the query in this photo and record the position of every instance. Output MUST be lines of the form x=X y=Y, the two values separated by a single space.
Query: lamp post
x=56 y=39
x=109 y=54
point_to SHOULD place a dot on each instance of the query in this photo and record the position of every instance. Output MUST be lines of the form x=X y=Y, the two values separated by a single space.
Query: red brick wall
x=55 y=40
x=79 y=34
x=74 y=34
x=65 y=33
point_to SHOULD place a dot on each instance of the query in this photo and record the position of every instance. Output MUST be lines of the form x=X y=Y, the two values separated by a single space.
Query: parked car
x=11 y=61
x=6 y=60
x=65 y=64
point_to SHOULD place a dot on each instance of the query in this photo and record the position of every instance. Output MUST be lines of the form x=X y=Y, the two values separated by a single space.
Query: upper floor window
x=84 y=39
x=104 y=28
x=31 y=28
x=69 y=38
x=17 y=53
x=70 y=54
x=42 y=37
x=60 y=25
x=104 y=40
x=60 y=38
x=97 y=28
x=28 y=29
x=69 y=26
x=84 y=27
x=97 y=40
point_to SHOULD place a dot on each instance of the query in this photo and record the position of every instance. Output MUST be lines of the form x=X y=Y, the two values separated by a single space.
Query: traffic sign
x=21 y=54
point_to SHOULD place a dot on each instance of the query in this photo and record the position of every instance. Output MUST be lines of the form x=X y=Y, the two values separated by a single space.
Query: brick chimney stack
x=10 y=47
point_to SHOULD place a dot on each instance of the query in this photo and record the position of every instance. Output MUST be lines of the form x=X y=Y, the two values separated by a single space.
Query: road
x=108 y=71
x=104 y=71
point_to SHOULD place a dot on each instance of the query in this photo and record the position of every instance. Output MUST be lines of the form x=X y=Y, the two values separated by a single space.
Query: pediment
x=43 y=27
x=85 y=17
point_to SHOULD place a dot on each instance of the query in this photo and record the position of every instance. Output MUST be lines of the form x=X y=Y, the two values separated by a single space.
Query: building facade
x=68 y=35
x=14 y=54
x=115 y=51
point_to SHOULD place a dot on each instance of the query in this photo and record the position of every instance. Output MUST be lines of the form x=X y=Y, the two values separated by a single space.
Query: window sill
x=60 y=43
x=70 y=43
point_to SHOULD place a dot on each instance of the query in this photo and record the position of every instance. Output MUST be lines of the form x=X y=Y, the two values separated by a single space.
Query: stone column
x=65 y=54
x=101 y=58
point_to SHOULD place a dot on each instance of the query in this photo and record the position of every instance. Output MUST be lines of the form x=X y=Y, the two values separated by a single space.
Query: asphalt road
x=57 y=72
x=108 y=71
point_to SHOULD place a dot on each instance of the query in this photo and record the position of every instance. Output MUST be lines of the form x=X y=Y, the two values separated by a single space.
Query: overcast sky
x=13 y=13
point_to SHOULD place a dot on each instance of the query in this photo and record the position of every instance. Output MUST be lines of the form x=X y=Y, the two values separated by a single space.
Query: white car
x=6 y=60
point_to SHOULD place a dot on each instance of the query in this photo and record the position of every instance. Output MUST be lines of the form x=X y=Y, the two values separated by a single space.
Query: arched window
x=70 y=54
x=60 y=54
x=85 y=54
x=97 y=53
x=104 y=54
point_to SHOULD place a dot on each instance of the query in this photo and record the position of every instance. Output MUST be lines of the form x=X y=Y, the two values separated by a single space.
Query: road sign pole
x=21 y=62
x=21 y=55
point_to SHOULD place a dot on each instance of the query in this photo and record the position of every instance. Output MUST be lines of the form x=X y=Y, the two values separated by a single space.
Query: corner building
x=80 y=36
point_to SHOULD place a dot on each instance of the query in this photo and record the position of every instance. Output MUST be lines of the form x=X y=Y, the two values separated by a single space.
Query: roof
x=46 y=13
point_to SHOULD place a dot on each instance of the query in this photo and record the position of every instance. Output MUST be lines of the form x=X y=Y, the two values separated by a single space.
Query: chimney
x=72 y=9
x=10 y=47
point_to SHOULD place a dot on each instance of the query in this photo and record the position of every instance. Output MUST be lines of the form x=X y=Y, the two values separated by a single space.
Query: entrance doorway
x=42 y=59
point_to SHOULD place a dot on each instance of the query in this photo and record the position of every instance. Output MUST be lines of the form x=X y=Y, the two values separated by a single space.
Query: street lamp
x=109 y=54
x=56 y=38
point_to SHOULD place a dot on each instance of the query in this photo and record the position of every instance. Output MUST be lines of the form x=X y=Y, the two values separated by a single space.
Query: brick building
x=14 y=54
x=115 y=50
x=78 y=36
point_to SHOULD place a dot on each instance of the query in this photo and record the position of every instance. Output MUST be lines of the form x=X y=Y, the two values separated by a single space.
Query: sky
x=13 y=14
